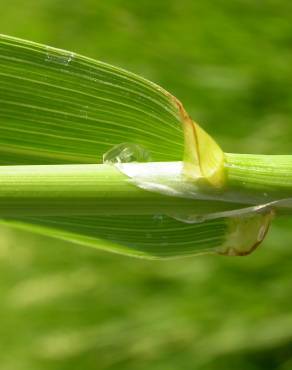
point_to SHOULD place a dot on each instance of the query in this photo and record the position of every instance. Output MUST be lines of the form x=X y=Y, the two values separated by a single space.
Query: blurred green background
x=69 y=307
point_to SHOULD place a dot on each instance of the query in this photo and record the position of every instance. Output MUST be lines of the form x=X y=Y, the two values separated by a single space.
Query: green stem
x=104 y=190
x=86 y=190
x=266 y=176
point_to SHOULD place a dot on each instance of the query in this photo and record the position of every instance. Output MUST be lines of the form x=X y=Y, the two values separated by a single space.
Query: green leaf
x=57 y=107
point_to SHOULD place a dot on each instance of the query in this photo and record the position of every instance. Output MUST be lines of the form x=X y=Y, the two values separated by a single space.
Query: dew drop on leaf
x=126 y=153
x=58 y=56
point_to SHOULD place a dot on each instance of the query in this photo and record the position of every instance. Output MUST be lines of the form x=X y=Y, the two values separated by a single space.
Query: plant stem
x=103 y=190
x=267 y=176
x=85 y=190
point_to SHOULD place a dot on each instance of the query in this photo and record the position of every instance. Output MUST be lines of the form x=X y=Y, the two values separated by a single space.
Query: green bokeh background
x=67 y=307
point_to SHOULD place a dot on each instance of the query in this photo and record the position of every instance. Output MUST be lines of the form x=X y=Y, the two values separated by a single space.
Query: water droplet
x=84 y=112
x=58 y=56
x=158 y=219
x=126 y=153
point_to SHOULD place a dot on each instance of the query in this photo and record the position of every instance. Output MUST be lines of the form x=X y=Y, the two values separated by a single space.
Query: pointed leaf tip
x=203 y=157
